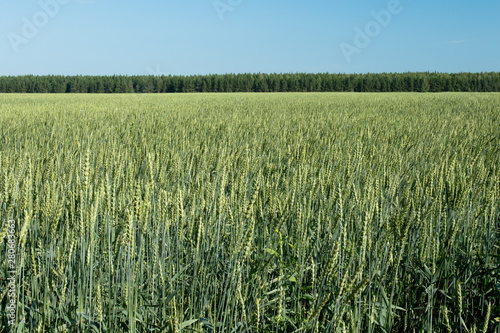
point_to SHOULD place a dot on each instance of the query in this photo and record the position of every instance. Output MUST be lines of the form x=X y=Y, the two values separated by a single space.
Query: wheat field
x=333 y=212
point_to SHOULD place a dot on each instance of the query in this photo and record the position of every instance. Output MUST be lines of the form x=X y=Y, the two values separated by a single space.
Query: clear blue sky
x=103 y=37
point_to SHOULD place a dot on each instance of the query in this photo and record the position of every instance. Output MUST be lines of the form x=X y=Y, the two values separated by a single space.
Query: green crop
x=331 y=212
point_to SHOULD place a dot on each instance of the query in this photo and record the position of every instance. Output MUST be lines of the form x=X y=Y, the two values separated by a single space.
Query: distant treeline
x=300 y=82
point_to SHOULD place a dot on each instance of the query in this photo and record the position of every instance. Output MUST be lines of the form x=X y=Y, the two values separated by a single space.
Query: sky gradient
x=105 y=37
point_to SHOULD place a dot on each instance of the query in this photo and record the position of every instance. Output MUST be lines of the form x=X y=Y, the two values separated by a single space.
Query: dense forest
x=299 y=82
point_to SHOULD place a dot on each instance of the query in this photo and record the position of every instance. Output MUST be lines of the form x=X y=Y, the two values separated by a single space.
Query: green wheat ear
x=256 y=213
